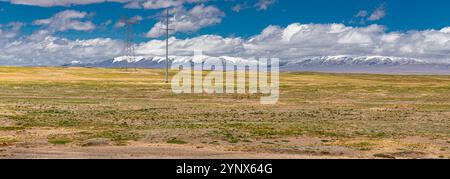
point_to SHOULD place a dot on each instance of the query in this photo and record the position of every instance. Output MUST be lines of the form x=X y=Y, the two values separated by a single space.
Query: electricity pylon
x=129 y=50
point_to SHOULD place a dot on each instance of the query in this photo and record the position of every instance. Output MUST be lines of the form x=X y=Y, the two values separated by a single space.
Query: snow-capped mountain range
x=335 y=64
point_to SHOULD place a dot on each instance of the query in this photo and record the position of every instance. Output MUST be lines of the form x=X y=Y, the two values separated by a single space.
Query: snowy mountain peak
x=358 y=60
x=339 y=63
x=176 y=59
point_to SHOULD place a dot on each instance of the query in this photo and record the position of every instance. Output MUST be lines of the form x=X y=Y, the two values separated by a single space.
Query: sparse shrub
x=59 y=141
x=176 y=141
x=384 y=156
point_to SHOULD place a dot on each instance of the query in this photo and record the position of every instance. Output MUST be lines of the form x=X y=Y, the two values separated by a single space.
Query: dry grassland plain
x=113 y=113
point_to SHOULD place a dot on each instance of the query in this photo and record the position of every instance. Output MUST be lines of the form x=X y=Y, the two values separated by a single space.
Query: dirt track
x=138 y=151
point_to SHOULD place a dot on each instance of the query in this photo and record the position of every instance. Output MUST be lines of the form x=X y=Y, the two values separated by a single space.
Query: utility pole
x=167 y=29
x=167 y=46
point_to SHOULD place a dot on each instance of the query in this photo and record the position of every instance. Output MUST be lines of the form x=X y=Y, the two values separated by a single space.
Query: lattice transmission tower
x=129 y=52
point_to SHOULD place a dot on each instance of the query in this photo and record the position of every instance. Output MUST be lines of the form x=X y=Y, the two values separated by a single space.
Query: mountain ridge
x=334 y=64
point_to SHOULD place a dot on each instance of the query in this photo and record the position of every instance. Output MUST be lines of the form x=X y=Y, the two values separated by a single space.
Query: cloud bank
x=288 y=43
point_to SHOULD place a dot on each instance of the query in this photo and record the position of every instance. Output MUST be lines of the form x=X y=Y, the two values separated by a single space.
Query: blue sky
x=48 y=32
x=401 y=15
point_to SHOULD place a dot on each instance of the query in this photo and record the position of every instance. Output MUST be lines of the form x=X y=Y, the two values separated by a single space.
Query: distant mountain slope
x=366 y=64
x=335 y=64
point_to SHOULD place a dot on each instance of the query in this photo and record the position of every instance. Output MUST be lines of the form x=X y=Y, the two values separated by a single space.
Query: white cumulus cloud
x=264 y=4
x=363 y=16
x=10 y=30
x=50 y=3
x=132 y=20
x=67 y=20
x=378 y=13
x=147 y=4
x=192 y=20
x=51 y=50
x=160 y=4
